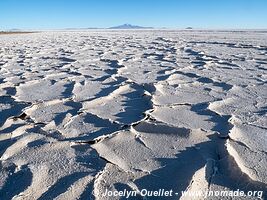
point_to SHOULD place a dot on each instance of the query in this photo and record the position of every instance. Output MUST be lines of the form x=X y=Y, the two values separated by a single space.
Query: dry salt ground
x=86 y=112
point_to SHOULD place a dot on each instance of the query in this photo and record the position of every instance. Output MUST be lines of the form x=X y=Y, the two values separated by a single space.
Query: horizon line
x=141 y=28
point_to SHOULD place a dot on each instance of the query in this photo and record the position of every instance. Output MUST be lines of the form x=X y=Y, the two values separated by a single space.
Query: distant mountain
x=14 y=30
x=129 y=26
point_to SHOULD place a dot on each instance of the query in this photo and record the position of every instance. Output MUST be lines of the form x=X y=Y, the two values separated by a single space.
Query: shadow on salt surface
x=101 y=79
x=163 y=74
x=61 y=116
x=88 y=192
x=101 y=127
x=62 y=185
x=126 y=105
x=222 y=125
x=133 y=109
x=88 y=159
x=222 y=85
x=231 y=45
x=207 y=80
x=113 y=85
x=262 y=111
x=68 y=90
x=5 y=144
x=177 y=173
x=9 y=108
x=163 y=77
x=162 y=128
x=44 y=90
x=92 y=161
x=10 y=91
x=10 y=129
x=112 y=70
x=232 y=177
x=18 y=181
x=135 y=105
x=65 y=59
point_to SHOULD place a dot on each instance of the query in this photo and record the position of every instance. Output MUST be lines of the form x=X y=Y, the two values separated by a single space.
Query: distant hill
x=14 y=32
x=129 y=26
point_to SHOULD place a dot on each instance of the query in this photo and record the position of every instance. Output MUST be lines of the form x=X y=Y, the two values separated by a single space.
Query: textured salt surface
x=83 y=112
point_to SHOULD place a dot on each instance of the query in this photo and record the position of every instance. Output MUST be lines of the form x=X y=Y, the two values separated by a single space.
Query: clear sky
x=54 y=14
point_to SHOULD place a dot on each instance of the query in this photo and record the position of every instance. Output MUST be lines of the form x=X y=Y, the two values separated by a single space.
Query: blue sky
x=53 y=14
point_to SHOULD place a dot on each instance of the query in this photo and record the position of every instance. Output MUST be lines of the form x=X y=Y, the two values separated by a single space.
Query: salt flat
x=90 y=111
